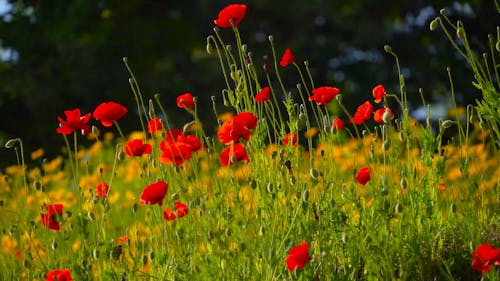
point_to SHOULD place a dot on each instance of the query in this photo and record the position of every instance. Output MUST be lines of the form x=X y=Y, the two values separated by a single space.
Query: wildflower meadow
x=294 y=184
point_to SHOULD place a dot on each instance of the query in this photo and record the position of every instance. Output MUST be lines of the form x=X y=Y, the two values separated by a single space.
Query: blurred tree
x=67 y=54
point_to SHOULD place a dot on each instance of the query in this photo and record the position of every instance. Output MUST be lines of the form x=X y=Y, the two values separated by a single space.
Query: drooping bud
x=447 y=123
x=209 y=47
x=270 y=38
x=265 y=65
x=387 y=49
x=434 y=24
x=386 y=117
x=11 y=143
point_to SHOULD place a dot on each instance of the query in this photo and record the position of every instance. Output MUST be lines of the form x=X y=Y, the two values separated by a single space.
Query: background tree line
x=58 y=55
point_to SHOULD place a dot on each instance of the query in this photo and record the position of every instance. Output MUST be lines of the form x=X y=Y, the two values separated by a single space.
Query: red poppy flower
x=231 y=15
x=154 y=193
x=231 y=132
x=49 y=220
x=192 y=141
x=174 y=153
x=102 y=189
x=442 y=186
x=182 y=209
x=136 y=147
x=168 y=214
x=74 y=121
x=185 y=100
x=59 y=275
x=264 y=95
x=484 y=256
x=287 y=58
x=238 y=127
x=298 y=257
x=363 y=113
x=363 y=175
x=172 y=135
x=109 y=112
x=155 y=125
x=233 y=153
x=323 y=95
x=379 y=114
x=290 y=139
x=378 y=93
x=246 y=119
x=338 y=124
x=122 y=239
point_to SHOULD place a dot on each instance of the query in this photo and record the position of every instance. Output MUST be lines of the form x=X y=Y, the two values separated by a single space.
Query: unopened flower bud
x=244 y=48
x=386 y=117
x=11 y=143
x=434 y=24
x=461 y=32
x=228 y=48
x=270 y=38
x=339 y=98
x=209 y=47
x=387 y=49
x=442 y=12
x=447 y=123
x=386 y=145
x=403 y=183
x=265 y=66
x=121 y=155
x=497 y=45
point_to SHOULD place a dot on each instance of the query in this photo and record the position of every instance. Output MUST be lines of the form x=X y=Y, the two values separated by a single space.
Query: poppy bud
x=209 y=47
x=95 y=130
x=386 y=117
x=447 y=123
x=434 y=24
x=121 y=155
x=497 y=45
x=461 y=32
x=54 y=244
x=125 y=59
x=270 y=38
x=95 y=254
x=91 y=216
x=216 y=29
x=339 y=98
x=228 y=48
x=442 y=12
x=244 y=48
x=387 y=49
x=403 y=183
x=11 y=143
x=386 y=145
x=37 y=185
x=265 y=65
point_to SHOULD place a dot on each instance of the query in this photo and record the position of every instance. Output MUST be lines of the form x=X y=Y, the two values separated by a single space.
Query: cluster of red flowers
x=155 y=194
x=178 y=147
x=231 y=132
x=484 y=257
x=107 y=113
x=364 y=111
x=181 y=210
x=49 y=219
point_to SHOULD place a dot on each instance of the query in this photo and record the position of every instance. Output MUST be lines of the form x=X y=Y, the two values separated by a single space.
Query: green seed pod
x=95 y=254
x=461 y=32
x=37 y=185
x=386 y=145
